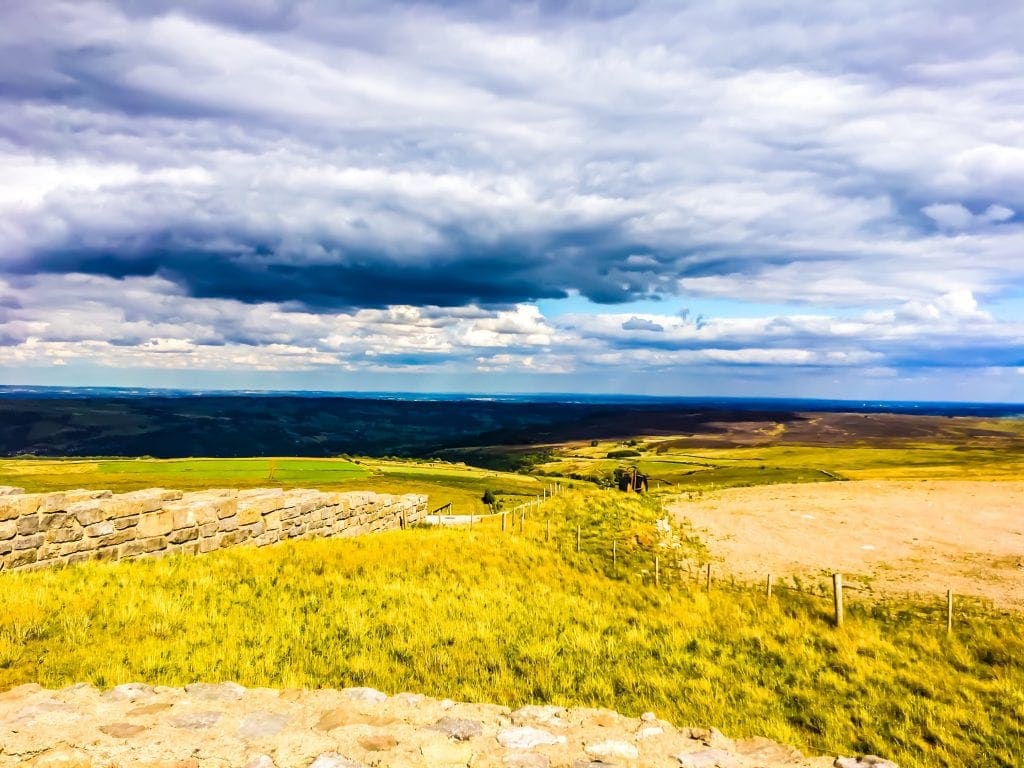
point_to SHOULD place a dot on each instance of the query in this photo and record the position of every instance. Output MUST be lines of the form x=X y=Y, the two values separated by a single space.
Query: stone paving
x=227 y=725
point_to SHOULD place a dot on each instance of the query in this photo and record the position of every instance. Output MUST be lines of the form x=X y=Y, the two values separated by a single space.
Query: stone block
x=272 y=520
x=254 y=504
x=76 y=557
x=289 y=513
x=229 y=523
x=158 y=523
x=6 y=547
x=104 y=528
x=180 y=537
x=28 y=524
x=209 y=529
x=268 y=537
x=209 y=544
x=138 y=502
x=64 y=535
x=8 y=529
x=87 y=512
x=17 y=505
x=34 y=541
x=232 y=538
x=187 y=513
x=115 y=538
x=121 y=523
x=10 y=490
x=20 y=559
x=142 y=546
x=48 y=520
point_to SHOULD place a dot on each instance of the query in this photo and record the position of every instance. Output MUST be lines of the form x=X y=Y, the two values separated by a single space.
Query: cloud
x=642 y=324
x=317 y=184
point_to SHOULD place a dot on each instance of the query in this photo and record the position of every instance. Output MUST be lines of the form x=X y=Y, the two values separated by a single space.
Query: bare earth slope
x=898 y=536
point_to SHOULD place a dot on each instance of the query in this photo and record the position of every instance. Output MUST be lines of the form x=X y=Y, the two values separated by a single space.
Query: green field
x=672 y=467
x=442 y=482
x=512 y=618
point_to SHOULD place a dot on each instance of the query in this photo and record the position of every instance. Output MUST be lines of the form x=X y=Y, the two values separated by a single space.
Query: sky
x=798 y=199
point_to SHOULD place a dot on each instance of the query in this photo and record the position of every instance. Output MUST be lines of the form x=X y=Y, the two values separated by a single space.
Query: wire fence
x=660 y=567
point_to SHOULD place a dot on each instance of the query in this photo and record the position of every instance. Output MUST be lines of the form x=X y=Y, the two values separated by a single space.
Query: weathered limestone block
x=20 y=558
x=64 y=535
x=33 y=541
x=197 y=509
x=158 y=523
x=102 y=528
x=138 y=502
x=183 y=535
x=116 y=538
x=8 y=529
x=121 y=523
x=14 y=506
x=272 y=520
x=87 y=512
x=142 y=546
x=10 y=490
x=253 y=504
x=28 y=524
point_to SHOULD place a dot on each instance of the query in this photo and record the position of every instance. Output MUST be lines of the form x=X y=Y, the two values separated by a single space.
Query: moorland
x=528 y=615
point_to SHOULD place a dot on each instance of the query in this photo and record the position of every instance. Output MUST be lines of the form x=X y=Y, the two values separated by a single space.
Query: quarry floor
x=919 y=537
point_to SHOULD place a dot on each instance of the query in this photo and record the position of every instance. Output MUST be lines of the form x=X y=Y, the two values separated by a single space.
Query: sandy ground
x=896 y=536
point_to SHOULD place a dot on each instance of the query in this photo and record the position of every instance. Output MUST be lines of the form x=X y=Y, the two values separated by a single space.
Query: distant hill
x=151 y=423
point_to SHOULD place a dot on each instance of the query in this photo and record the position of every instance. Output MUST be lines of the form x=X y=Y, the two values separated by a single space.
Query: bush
x=623 y=453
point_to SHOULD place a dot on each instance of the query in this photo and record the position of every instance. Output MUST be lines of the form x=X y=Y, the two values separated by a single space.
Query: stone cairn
x=44 y=529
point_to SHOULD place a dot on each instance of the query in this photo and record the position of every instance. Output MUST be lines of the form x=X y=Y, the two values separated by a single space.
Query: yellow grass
x=513 y=619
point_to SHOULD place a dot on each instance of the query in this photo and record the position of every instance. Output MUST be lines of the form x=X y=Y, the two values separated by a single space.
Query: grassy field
x=517 y=618
x=675 y=467
x=442 y=482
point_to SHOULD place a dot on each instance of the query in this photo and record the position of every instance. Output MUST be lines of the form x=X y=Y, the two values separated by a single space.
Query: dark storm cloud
x=633 y=173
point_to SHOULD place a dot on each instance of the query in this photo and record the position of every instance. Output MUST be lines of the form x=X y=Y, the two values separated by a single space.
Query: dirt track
x=898 y=536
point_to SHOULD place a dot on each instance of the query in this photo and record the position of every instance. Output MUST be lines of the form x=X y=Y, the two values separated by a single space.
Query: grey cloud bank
x=359 y=189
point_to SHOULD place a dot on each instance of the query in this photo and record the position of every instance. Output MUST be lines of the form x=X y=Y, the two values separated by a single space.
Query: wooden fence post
x=615 y=565
x=522 y=521
x=577 y=537
x=768 y=588
x=502 y=522
x=949 y=611
x=837 y=589
x=707 y=585
x=547 y=530
x=657 y=571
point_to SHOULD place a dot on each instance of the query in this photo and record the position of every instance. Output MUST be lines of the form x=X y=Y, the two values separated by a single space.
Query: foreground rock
x=227 y=725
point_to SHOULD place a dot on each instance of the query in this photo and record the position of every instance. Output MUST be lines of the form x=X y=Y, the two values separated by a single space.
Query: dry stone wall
x=44 y=529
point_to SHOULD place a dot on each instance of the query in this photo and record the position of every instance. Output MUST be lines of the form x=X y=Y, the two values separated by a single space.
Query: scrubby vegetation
x=517 y=618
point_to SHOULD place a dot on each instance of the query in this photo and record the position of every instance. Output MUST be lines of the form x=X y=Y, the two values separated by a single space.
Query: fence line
x=656 y=572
